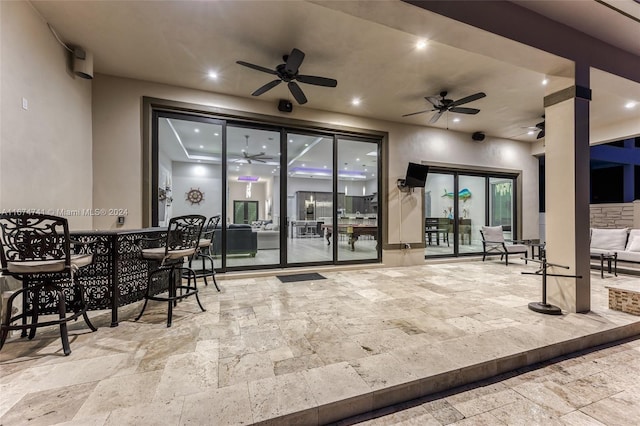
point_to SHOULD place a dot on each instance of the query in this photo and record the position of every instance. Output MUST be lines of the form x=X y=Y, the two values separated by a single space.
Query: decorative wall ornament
x=195 y=196
x=463 y=195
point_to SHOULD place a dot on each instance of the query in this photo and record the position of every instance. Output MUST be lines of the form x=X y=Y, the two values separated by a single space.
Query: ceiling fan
x=288 y=72
x=442 y=105
x=260 y=157
x=539 y=127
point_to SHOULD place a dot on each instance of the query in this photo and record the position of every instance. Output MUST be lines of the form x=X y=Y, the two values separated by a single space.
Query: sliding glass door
x=458 y=204
x=286 y=197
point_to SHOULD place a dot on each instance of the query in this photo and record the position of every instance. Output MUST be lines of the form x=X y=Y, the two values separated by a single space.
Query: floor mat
x=300 y=277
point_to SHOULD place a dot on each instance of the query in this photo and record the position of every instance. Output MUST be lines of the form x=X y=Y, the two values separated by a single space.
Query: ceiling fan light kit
x=288 y=72
x=285 y=105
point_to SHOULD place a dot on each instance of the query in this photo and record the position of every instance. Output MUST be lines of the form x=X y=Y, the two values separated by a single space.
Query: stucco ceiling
x=357 y=43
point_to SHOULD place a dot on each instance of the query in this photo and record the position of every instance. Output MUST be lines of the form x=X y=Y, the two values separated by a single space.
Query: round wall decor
x=195 y=196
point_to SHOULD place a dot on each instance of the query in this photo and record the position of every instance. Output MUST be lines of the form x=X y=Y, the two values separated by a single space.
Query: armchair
x=493 y=242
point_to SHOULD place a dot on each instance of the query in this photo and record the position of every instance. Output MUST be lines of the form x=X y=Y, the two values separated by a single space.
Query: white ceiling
x=179 y=42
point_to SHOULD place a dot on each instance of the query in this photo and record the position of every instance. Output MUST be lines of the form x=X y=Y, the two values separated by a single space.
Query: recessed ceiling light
x=373 y=174
x=325 y=167
x=355 y=101
x=421 y=44
x=213 y=75
x=201 y=146
x=243 y=150
x=264 y=147
x=290 y=140
x=196 y=130
x=545 y=82
x=216 y=134
x=365 y=170
x=357 y=159
x=199 y=161
x=306 y=144
x=530 y=132
x=304 y=165
x=630 y=105
x=456 y=120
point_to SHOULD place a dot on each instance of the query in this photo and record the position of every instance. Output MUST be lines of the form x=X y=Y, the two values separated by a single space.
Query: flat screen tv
x=416 y=175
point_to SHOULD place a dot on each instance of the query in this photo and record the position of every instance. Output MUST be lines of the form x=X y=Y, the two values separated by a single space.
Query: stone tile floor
x=303 y=353
x=599 y=386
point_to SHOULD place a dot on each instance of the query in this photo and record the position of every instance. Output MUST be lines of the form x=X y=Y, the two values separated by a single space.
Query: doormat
x=300 y=277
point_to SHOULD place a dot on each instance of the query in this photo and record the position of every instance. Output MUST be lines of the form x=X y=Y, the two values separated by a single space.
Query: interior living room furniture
x=205 y=252
x=241 y=239
x=493 y=242
x=36 y=249
x=268 y=236
x=437 y=226
x=465 y=230
x=181 y=242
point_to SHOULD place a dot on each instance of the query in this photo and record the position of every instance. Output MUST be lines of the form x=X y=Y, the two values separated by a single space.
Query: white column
x=567 y=193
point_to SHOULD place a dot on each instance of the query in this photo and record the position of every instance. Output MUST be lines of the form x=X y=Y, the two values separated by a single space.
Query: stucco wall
x=117 y=135
x=45 y=149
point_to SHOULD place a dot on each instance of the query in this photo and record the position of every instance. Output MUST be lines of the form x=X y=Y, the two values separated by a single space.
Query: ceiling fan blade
x=463 y=110
x=318 y=81
x=256 y=67
x=419 y=112
x=436 y=117
x=473 y=97
x=297 y=93
x=293 y=61
x=540 y=135
x=270 y=85
x=434 y=101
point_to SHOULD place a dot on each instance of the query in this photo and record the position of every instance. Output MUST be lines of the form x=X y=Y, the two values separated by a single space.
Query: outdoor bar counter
x=118 y=275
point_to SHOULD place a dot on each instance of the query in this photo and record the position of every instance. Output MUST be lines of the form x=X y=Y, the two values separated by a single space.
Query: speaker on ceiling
x=477 y=136
x=82 y=62
x=285 y=105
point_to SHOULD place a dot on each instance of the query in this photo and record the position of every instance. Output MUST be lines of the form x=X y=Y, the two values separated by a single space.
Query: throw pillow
x=635 y=244
x=609 y=239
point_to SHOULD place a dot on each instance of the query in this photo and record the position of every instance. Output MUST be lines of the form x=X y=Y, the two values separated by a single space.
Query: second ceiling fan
x=288 y=72
x=442 y=105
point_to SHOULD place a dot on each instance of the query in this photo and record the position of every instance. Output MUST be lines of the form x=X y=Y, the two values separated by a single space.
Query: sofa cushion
x=609 y=239
x=493 y=234
x=629 y=256
x=634 y=234
x=634 y=245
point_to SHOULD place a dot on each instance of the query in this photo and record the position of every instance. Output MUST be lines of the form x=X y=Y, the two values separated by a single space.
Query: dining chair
x=36 y=249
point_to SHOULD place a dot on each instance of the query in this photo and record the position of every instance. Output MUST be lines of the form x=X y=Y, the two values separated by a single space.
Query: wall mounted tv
x=416 y=175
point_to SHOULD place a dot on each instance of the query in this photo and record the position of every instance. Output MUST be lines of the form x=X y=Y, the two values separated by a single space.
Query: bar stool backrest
x=210 y=227
x=34 y=238
x=184 y=232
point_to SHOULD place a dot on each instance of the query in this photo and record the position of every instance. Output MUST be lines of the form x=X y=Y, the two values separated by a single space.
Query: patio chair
x=36 y=249
x=493 y=242
x=206 y=251
x=181 y=242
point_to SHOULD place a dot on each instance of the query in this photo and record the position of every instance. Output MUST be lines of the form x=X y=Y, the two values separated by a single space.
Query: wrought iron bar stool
x=36 y=249
x=206 y=252
x=181 y=242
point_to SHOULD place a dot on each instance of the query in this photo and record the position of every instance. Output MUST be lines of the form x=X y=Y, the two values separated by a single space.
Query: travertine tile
x=281 y=395
x=157 y=413
x=186 y=374
x=121 y=392
x=49 y=406
x=228 y=405
x=239 y=369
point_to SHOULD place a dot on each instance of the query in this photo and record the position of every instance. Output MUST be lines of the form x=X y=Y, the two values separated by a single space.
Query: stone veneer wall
x=618 y=215
x=624 y=300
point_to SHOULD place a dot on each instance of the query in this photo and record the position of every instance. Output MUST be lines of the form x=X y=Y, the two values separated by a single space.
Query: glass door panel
x=357 y=229
x=309 y=197
x=438 y=210
x=189 y=170
x=471 y=212
x=252 y=230
x=501 y=205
